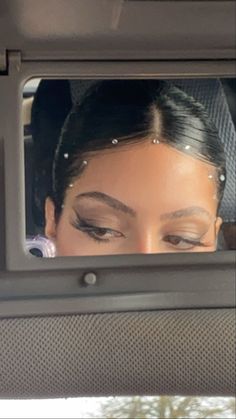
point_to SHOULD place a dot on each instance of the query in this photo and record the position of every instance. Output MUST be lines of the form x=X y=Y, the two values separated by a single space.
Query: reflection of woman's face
x=145 y=198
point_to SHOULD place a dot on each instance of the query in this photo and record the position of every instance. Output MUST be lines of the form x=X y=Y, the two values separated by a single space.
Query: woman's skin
x=143 y=198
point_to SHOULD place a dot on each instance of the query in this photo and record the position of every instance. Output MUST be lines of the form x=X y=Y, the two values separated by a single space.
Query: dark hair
x=131 y=111
x=51 y=105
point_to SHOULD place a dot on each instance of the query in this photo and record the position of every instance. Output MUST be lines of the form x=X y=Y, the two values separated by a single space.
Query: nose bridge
x=147 y=241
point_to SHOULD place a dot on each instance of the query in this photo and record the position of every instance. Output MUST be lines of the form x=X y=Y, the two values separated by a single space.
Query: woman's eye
x=182 y=243
x=101 y=232
x=104 y=234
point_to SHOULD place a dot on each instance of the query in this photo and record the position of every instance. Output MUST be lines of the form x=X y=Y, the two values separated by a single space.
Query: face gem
x=155 y=141
x=66 y=155
x=187 y=147
x=222 y=178
x=114 y=141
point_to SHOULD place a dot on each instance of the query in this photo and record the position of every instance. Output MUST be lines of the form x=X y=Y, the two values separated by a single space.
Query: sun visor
x=118 y=29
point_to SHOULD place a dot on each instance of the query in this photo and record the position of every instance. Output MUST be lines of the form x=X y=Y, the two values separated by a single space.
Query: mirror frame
x=141 y=281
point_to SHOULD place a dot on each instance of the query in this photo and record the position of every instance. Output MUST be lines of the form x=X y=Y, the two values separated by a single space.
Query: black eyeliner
x=185 y=240
x=196 y=243
x=89 y=229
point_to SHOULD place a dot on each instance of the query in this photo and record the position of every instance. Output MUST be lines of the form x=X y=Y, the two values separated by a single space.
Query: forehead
x=148 y=173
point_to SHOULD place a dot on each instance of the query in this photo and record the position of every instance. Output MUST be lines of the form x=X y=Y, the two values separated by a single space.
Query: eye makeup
x=183 y=243
x=187 y=234
x=90 y=228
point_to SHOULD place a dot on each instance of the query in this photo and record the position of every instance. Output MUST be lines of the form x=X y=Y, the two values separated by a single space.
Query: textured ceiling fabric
x=164 y=352
x=210 y=93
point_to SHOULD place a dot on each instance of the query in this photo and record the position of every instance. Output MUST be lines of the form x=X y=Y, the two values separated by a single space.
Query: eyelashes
x=99 y=234
x=106 y=235
x=183 y=243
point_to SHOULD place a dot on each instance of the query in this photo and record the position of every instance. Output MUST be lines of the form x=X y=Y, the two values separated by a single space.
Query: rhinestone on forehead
x=187 y=147
x=222 y=178
x=114 y=141
x=155 y=141
x=66 y=155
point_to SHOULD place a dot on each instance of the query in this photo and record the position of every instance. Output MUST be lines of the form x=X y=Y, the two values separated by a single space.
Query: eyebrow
x=108 y=200
x=186 y=212
x=120 y=206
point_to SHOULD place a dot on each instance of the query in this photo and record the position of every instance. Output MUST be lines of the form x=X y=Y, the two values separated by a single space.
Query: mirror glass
x=129 y=166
